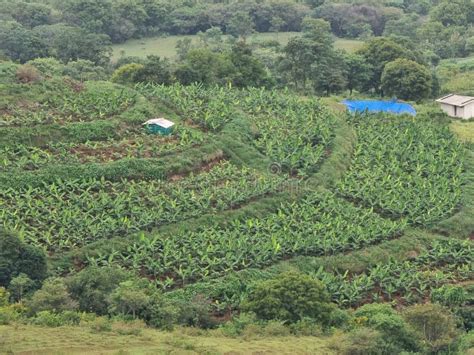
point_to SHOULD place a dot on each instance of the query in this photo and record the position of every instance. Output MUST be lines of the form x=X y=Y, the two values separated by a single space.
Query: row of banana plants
x=294 y=132
x=209 y=107
x=318 y=225
x=401 y=282
x=96 y=100
x=72 y=213
x=405 y=167
x=133 y=144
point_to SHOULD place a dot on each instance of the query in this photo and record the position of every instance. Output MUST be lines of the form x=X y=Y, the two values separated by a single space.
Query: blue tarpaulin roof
x=379 y=106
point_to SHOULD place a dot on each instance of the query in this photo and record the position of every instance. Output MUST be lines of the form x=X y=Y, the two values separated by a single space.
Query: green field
x=82 y=340
x=166 y=46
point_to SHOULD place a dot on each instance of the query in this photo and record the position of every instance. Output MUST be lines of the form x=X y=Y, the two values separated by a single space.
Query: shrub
x=435 y=324
x=12 y=313
x=236 y=326
x=92 y=287
x=47 y=66
x=397 y=334
x=53 y=296
x=449 y=295
x=290 y=297
x=306 y=327
x=52 y=319
x=127 y=74
x=98 y=324
x=17 y=257
x=27 y=74
x=361 y=341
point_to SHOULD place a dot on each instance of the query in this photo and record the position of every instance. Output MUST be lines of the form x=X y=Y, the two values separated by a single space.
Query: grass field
x=464 y=130
x=166 y=46
x=24 y=339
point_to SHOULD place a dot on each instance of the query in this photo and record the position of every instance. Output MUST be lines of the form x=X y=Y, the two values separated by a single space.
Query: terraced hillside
x=250 y=183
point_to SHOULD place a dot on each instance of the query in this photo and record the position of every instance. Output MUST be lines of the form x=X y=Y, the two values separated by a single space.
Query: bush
x=12 y=313
x=27 y=74
x=127 y=74
x=362 y=341
x=47 y=66
x=449 y=295
x=16 y=257
x=397 y=334
x=53 y=297
x=290 y=297
x=92 y=287
x=435 y=324
x=236 y=326
x=306 y=327
x=51 y=319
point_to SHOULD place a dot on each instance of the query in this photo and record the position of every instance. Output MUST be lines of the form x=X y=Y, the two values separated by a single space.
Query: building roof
x=160 y=122
x=456 y=100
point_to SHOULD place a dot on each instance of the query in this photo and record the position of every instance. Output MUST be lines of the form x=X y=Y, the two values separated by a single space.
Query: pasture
x=166 y=46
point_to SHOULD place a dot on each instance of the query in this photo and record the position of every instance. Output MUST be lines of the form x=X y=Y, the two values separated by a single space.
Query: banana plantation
x=248 y=180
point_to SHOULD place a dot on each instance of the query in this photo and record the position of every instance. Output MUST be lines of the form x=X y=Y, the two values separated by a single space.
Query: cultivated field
x=251 y=183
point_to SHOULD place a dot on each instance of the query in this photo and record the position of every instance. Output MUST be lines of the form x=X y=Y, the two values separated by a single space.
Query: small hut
x=159 y=126
x=457 y=106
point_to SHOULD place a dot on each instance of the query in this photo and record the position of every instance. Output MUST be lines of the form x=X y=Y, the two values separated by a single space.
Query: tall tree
x=406 y=79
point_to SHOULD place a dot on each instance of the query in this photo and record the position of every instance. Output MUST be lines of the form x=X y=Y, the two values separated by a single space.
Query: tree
x=434 y=323
x=452 y=12
x=127 y=74
x=248 y=70
x=358 y=72
x=306 y=55
x=241 y=25
x=21 y=44
x=93 y=286
x=329 y=74
x=155 y=70
x=20 y=285
x=129 y=298
x=377 y=53
x=16 y=257
x=406 y=79
x=53 y=296
x=68 y=43
x=290 y=297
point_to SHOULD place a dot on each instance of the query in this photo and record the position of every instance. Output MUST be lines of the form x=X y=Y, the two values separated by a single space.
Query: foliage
x=152 y=202
x=53 y=296
x=434 y=323
x=405 y=168
x=406 y=80
x=290 y=297
x=16 y=258
x=127 y=74
x=92 y=287
x=396 y=333
x=128 y=298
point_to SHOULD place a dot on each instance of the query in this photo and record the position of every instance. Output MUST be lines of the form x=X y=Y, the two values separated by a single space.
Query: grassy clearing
x=77 y=340
x=166 y=46
x=464 y=130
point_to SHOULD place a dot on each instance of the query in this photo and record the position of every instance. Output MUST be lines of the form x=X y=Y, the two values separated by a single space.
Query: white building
x=458 y=106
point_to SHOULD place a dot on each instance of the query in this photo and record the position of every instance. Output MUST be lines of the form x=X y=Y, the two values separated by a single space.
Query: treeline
x=84 y=29
x=308 y=63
